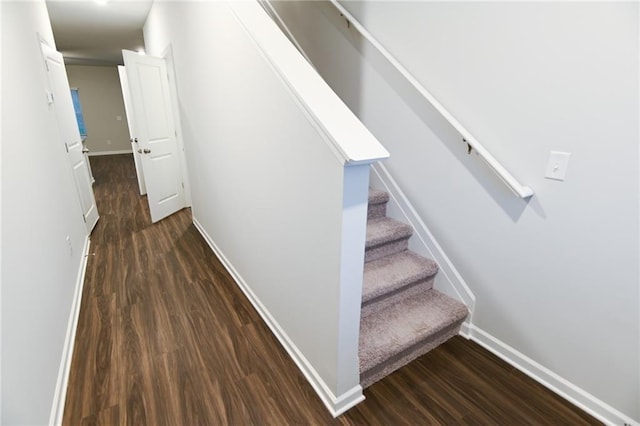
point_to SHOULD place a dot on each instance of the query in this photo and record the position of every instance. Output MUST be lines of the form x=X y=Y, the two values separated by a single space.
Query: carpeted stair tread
x=383 y=230
x=406 y=324
x=377 y=196
x=391 y=273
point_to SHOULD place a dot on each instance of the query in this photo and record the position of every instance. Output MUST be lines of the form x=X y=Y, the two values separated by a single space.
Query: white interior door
x=156 y=133
x=126 y=96
x=60 y=101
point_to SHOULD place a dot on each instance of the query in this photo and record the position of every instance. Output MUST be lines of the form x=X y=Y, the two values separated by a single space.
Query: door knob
x=147 y=151
x=85 y=150
x=135 y=140
x=140 y=151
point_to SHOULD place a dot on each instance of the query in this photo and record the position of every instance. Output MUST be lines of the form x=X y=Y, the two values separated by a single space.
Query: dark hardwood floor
x=165 y=337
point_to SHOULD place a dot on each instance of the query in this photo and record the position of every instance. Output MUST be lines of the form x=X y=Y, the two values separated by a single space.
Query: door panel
x=62 y=103
x=155 y=107
x=154 y=127
x=126 y=96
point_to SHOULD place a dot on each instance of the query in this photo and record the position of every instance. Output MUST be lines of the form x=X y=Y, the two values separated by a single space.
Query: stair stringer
x=448 y=280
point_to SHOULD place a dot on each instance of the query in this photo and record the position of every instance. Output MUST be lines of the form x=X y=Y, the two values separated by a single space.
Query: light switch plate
x=557 y=166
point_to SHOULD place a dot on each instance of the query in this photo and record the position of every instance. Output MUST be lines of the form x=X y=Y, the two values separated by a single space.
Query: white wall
x=102 y=105
x=39 y=210
x=556 y=278
x=268 y=188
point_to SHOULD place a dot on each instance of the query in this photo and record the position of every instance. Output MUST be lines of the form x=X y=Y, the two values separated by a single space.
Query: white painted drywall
x=267 y=187
x=557 y=278
x=39 y=210
x=101 y=98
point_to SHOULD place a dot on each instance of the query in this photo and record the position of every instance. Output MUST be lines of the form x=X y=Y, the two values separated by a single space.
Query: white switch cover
x=557 y=167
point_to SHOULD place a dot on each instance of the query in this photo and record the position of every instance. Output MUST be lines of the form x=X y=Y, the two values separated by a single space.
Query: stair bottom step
x=397 y=334
x=379 y=372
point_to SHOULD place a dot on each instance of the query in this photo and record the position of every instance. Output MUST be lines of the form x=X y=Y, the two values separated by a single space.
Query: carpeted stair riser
x=376 y=210
x=385 y=237
x=377 y=204
x=402 y=316
x=374 y=306
x=387 y=249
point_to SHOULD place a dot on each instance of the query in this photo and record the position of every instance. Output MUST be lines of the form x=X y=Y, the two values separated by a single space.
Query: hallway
x=165 y=337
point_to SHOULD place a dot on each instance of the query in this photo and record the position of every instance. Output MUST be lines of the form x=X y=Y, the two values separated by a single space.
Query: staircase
x=402 y=317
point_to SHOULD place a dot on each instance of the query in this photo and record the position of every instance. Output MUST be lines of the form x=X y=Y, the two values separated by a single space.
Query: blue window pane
x=78 y=108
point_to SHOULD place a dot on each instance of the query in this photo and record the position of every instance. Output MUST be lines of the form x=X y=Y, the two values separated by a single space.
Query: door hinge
x=182 y=185
x=50 y=99
x=66 y=146
x=84 y=218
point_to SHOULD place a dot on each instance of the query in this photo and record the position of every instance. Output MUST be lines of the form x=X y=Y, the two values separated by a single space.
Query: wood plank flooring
x=165 y=337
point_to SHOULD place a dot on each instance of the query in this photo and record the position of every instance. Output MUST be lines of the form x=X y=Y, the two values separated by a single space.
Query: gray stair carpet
x=377 y=203
x=385 y=236
x=403 y=316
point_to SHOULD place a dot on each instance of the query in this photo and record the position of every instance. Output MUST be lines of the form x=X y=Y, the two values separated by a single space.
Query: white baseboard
x=335 y=404
x=448 y=280
x=569 y=391
x=60 y=394
x=119 y=151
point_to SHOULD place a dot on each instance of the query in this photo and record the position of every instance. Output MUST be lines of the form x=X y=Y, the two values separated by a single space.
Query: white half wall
x=42 y=230
x=278 y=200
x=555 y=279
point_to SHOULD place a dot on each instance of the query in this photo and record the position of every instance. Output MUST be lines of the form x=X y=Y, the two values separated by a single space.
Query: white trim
x=638 y=97
x=120 y=151
x=448 y=280
x=335 y=404
x=60 y=394
x=569 y=391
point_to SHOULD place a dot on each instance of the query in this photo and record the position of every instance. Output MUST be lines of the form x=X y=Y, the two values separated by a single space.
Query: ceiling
x=94 y=33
